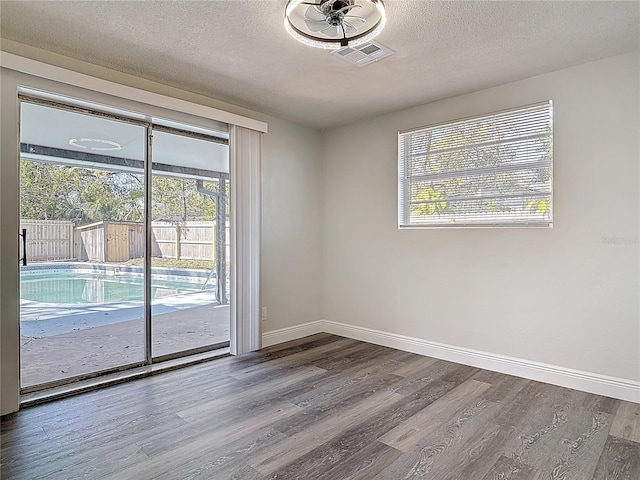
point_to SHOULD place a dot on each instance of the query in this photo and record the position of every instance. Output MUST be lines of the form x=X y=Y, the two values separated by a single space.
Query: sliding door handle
x=24 y=246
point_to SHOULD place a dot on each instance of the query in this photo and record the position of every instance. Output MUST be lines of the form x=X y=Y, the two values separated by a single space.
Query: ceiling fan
x=332 y=17
x=334 y=23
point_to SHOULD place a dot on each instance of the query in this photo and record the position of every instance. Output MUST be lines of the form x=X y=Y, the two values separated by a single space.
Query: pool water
x=76 y=288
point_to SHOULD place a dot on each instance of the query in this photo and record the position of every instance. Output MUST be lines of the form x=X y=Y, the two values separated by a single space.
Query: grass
x=173 y=263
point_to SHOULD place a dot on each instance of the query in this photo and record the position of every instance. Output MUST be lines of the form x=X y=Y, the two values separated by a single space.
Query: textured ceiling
x=239 y=51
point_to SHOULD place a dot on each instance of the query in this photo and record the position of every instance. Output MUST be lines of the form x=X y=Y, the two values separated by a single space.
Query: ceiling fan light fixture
x=332 y=24
x=98 y=144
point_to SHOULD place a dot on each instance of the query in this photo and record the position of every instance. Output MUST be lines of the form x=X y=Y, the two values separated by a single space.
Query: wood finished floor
x=326 y=407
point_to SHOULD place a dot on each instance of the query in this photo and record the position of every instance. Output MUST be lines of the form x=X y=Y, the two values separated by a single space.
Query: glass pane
x=82 y=205
x=190 y=251
x=492 y=170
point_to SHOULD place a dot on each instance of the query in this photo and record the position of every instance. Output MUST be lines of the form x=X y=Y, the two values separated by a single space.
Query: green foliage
x=433 y=207
x=466 y=157
x=540 y=206
x=58 y=192
x=177 y=199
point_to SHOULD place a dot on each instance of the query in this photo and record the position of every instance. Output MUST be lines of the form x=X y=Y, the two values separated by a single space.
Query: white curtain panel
x=245 y=149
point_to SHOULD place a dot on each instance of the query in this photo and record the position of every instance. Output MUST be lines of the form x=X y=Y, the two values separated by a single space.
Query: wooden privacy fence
x=48 y=239
x=189 y=240
x=122 y=241
x=117 y=241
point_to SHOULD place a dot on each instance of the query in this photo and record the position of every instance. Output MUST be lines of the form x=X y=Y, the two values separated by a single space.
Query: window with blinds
x=489 y=171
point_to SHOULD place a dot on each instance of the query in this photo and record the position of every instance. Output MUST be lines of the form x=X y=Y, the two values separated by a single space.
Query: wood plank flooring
x=326 y=408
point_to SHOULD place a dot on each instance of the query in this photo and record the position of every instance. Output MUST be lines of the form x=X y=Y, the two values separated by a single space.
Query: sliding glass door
x=189 y=242
x=81 y=208
x=126 y=246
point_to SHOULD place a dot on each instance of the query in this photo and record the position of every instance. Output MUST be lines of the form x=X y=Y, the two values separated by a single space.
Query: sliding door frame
x=20 y=74
x=220 y=249
x=148 y=244
x=150 y=126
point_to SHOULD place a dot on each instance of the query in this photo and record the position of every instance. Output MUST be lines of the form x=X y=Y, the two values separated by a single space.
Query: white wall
x=565 y=296
x=291 y=226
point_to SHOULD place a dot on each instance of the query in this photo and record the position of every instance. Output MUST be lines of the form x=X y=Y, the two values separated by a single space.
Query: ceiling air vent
x=364 y=54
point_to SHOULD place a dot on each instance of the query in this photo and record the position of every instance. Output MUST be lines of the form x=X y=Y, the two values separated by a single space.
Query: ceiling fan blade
x=313 y=15
x=315 y=25
x=362 y=19
x=348 y=27
x=331 y=31
x=348 y=7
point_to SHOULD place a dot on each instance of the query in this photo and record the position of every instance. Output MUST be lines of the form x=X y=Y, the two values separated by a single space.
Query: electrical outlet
x=264 y=313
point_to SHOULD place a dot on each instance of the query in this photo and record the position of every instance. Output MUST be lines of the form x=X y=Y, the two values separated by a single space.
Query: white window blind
x=493 y=170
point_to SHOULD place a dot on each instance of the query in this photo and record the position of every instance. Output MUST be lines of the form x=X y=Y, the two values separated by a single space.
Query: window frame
x=404 y=180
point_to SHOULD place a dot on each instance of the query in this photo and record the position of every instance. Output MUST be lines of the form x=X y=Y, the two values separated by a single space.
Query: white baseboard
x=291 y=333
x=619 y=388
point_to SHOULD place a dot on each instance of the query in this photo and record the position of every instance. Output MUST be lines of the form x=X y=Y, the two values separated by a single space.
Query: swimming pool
x=78 y=287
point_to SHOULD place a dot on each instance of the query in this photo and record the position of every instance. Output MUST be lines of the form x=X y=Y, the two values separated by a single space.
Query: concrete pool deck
x=45 y=319
x=76 y=352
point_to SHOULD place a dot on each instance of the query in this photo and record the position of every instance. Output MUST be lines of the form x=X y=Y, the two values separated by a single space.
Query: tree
x=60 y=192
x=458 y=168
x=82 y=195
x=178 y=200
